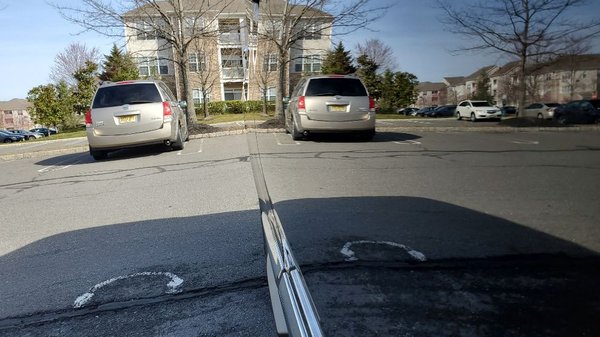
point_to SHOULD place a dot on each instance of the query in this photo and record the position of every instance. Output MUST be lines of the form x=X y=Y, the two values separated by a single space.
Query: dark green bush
x=235 y=107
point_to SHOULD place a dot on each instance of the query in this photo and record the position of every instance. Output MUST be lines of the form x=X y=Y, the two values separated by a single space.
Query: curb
x=36 y=154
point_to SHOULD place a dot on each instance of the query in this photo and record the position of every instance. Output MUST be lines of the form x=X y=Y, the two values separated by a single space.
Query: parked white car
x=541 y=110
x=475 y=110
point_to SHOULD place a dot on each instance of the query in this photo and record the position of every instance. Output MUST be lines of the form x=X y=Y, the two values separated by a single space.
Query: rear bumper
x=137 y=139
x=310 y=125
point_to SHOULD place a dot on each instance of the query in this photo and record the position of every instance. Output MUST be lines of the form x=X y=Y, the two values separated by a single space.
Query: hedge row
x=234 y=107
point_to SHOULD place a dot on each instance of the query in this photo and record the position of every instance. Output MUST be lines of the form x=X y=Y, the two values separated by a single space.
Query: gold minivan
x=133 y=113
x=330 y=103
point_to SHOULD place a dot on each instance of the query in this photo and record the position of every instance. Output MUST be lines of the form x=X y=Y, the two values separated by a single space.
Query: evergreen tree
x=482 y=92
x=86 y=86
x=338 y=61
x=119 y=67
x=398 y=90
x=367 y=71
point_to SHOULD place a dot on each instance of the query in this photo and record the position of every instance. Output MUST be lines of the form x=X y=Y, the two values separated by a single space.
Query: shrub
x=234 y=107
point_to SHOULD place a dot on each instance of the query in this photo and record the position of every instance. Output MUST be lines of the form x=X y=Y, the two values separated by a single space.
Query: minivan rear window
x=126 y=94
x=335 y=87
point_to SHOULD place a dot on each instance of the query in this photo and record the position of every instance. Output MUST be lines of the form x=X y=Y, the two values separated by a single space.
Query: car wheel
x=369 y=135
x=473 y=118
x=8 y=140
x=562 y=119
x=98 y=155
x=178 y=144
x=296 y=135
x=458 y=116
x=540 y=116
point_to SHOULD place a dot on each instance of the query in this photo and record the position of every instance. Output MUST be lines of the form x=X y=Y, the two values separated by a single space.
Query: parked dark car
x=406 y=111
x=582 y=111
x=442 y=111
x=44 y=131
x=27 y=134
x=508 y=110
x=421 y=112
x=9 y=137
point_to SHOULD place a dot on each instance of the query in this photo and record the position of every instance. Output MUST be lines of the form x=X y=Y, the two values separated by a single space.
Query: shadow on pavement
x=484 y=275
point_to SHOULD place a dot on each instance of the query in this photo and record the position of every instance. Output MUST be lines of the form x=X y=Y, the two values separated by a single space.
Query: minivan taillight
x=167 y=112
x=371 y=104
x=301 y=103
x=88 y=118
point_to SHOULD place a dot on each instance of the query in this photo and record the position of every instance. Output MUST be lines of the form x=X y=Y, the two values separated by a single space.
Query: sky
x=32 y=33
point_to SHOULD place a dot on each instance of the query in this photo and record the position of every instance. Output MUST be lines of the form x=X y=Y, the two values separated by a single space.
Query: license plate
x=126 y=119
x=337 y=108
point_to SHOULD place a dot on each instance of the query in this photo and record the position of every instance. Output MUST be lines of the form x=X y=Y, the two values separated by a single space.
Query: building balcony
x=230 y=38
x=233 y=74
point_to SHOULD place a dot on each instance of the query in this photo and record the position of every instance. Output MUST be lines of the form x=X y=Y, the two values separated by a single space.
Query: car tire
x=179 y=143
x=458 y=116
x=473 y=118
x=8 y=140
x=369 y=135
x=562 y=119
x=540 y=116
x=296 y=135
x=98 y=155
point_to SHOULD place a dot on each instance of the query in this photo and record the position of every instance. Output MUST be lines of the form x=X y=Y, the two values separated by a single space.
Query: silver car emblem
x=126 y=107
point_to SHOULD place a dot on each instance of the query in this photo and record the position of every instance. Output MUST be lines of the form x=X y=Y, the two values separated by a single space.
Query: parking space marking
x=180 y=152
x=525 y=142
x=350 y=255
x=59 y=166
x=173 y=287
x=407 y=142
x=282 y=144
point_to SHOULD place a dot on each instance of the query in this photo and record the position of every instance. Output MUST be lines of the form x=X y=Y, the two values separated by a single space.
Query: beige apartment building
x=231 y=61
x=14 y=115
x=562 y=80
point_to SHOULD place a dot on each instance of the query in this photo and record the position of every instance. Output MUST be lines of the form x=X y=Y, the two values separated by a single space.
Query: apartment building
x=431 y=93
x=562 y=80
x=14 y=115
x=230 y=61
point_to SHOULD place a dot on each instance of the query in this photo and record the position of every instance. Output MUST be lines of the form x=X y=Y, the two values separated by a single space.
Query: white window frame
x=270 y=93
x=196 y=62
x=145 y=31
x=308 y=63
x=234 y=92
x=270 y=62
x=151 y=66
x=198 y=97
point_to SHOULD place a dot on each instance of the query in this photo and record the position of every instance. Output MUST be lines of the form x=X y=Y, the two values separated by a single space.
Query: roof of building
x=431 y=86
x=454 y=81
x=572 y=62
x=479 y=73
x=276 y=7
x=507 y=68
x=15 y=104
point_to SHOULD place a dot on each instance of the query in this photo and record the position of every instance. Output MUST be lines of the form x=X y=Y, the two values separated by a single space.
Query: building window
x=312 y=32
x=198 y=97
x=270 y=93
x=270 y=62
x=145 y=31
x=233 y=94
x=192 y=25
x=309 y=63
x=151 y=66
x=197 y=62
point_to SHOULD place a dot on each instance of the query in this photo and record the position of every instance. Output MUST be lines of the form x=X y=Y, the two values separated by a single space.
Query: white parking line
x=58 y=166
x=281 y=144
x=180 y=152
x=525 y=142
x=407 y=142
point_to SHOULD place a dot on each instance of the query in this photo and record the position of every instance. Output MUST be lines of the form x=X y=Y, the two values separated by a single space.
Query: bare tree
x=204 y=69
x=289 y=23
x=71 y=60
x=526 y=29
x=175 y=24
x=382 y=54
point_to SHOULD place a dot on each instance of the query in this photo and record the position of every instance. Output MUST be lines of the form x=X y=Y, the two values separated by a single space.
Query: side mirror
x=183 y=104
